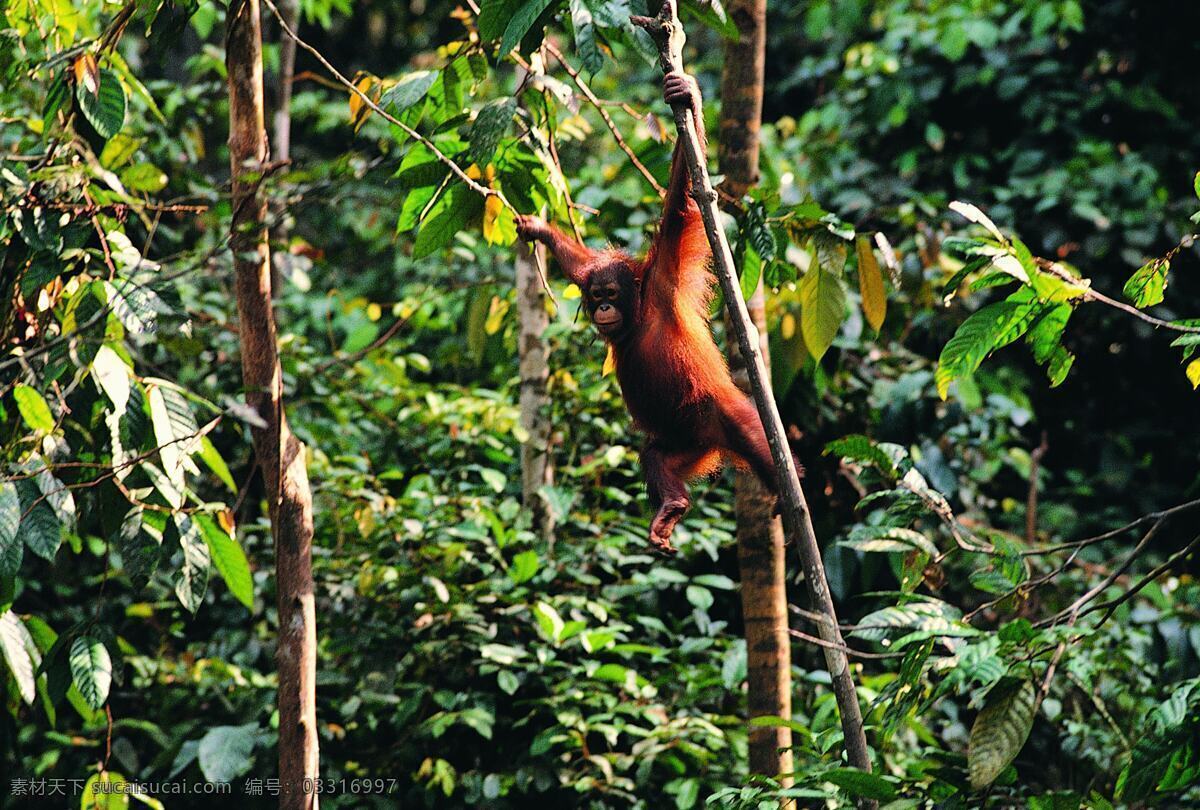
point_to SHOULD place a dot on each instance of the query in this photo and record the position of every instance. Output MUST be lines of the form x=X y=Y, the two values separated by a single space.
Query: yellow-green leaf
x=33 y=408
x=1193 y=373
x=1145 y=287
x=823 y=306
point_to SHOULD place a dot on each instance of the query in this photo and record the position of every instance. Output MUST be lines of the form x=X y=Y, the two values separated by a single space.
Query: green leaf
x=175 y=430
x=491 y=123
x=56 y=96
x=984 y=331
x=33 y=408
x=41 y=527
x=584 y=24
x=889 y=539
x=1000 y=731
x=1044 y=336
x=91 y=670
x=105 y=111
x=408 y=90
x=1060 y=365
x=227 y=752
x=229 y=559
x=751 y=272
x=524 y=566
x=861 y=784
x=450 y=215
x=191 y=580
x=12 y=549
x=144 y=177
x=507 y=681
x=928 y=616
x=212 y=459
x=823 y=306
x=18 y=648
x=1145 y=287
x=857 y=447
x=119 y=149
x=521 y=22
x=139 y=548
x=549 y=621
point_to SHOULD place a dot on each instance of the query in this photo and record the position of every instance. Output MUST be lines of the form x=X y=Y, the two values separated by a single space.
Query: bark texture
x=279 y=454
x=537 y=470
x=537 y=466
x=667 y=33
x=759 y=533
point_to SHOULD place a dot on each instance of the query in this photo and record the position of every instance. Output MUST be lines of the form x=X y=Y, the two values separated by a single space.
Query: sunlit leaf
x=823 y=307
x=91 y=670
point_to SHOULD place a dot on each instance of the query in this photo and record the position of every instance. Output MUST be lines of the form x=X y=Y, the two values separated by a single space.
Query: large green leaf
x=823 y=307
x=191 y=580
x=40 y=527
x=984 y=331
x=225 y=752
x=491 y=123
x=138 y=546
x=105 y=110
x=229 y=560
x=527 y=13
x=1000 y=731
x=91 y=670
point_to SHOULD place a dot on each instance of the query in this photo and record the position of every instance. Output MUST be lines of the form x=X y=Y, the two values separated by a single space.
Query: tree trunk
x=281 y=130
x=537 y=469
x=279 y=454
x=759 y=533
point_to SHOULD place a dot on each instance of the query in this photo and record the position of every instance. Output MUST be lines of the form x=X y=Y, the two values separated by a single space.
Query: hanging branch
x=608 y=121
x=668 y=34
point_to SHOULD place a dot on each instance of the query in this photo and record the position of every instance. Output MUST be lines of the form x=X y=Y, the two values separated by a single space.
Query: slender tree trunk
x=281 y=130
x=537 y=468
x=759 y=533
x=280 y=454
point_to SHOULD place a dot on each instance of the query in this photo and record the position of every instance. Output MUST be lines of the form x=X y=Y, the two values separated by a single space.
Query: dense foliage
x=1012 y=659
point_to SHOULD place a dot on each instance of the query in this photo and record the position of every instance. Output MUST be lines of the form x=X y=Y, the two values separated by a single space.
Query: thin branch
x=1113 y=604
x=1091 y=294
x=820 y=642
x=1031 y=500
x=608 y=121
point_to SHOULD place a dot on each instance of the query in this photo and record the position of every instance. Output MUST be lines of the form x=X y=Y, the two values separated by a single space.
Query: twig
x=1113 y=604
x=1074 y=608
x=820 y=642
x=1091 y=294
x=608 y=121
x=1031 y=500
